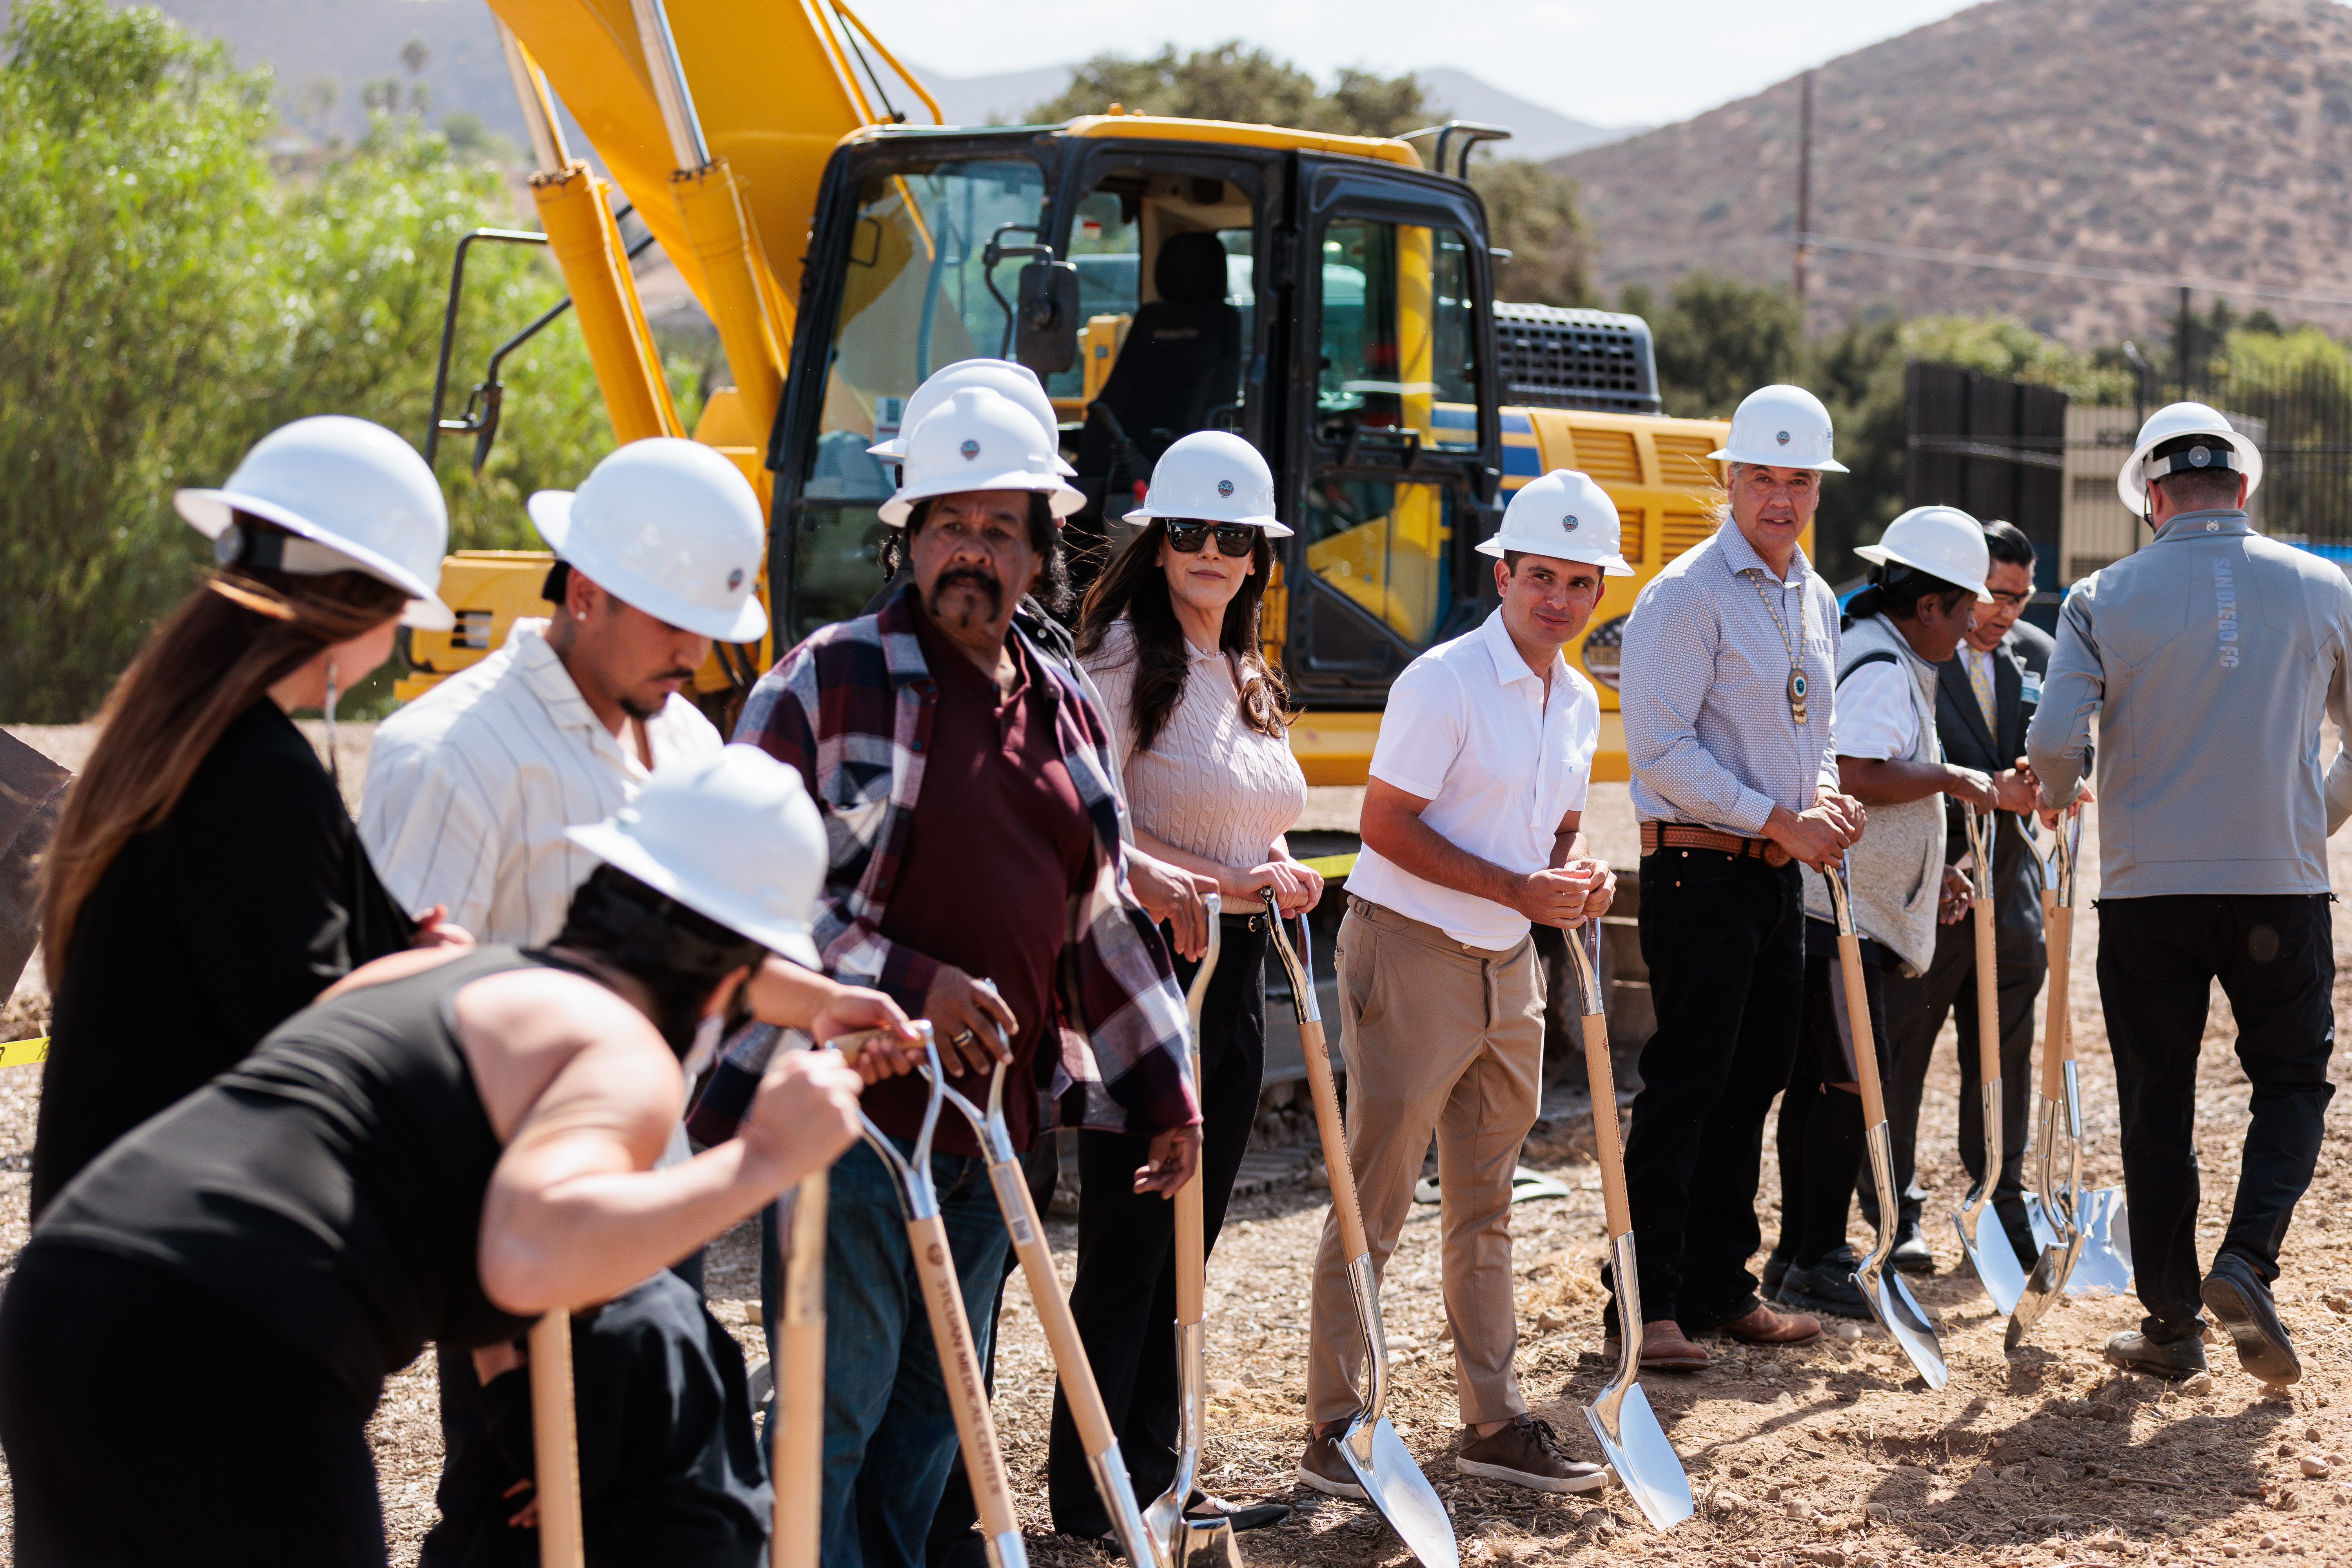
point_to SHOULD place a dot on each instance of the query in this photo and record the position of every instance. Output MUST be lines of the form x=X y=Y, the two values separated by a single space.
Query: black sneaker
x=1911 y=1253
x=1827 y=1287
x=2137 y=1353
x=1776 y=1268
x=2240 y=1303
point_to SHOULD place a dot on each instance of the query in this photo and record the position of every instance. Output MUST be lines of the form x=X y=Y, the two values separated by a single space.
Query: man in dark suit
x=1984 y=700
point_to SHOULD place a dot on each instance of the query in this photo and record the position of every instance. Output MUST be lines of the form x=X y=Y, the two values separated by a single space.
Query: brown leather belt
x=1684 y=836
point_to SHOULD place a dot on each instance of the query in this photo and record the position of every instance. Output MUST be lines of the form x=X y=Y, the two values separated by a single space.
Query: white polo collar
x=1509 y=667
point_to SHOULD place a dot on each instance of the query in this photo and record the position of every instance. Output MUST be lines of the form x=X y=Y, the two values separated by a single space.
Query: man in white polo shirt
x=1471 y=831
x=470 y=787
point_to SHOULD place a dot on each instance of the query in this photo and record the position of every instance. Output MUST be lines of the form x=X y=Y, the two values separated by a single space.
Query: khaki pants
x=1438 y=1037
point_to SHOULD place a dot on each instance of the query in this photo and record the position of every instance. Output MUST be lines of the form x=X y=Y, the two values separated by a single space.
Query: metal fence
x=2305 y=418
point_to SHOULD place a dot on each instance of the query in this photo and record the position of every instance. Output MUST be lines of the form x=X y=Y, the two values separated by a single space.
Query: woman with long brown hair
x=1198 y=725
x=206 y=881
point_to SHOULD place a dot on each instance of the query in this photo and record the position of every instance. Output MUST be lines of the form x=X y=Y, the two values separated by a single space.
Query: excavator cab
x=1326 y=297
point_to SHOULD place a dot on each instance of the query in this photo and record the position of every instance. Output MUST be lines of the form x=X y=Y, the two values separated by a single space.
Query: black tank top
x=330 y=1184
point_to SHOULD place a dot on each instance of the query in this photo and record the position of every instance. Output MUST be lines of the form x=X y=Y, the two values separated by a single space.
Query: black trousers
x=1724 y=940
x=1916 y=1009
x=265 y=1459
x=1124 y=1297
x=2158 y=958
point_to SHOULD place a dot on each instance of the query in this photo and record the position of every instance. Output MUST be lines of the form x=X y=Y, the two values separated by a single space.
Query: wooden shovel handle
x=799 y=1385
x=1036 y=1255
x=1191 y=1250
x=1607 y=1147
x=1335 y=1141
x=1988 y=997
x=1865 y=1044
x=2057 y=1039
x=983 y=1461
x=555 y=1442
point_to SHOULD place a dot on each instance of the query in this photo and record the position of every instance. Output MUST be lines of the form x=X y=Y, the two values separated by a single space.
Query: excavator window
x=915 y=297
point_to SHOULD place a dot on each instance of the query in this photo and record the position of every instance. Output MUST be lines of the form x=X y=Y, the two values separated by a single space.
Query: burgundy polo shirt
x=999 y=843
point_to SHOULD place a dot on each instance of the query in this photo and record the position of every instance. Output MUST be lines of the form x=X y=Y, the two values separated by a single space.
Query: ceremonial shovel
x=1987 y=1243
x=555 y=1442
x=2103 y=1264
x=1176 y=1539
x=1646 y=1464
x=926 y=1238
x=1392 y=1483
x=1891 y=1301
x=1036 y=1255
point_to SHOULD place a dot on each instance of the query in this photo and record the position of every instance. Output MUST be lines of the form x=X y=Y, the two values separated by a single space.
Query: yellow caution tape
x=1330 y=865
x=25 y=1053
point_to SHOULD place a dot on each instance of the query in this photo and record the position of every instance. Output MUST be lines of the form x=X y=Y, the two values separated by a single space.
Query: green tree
x=1227 y=81
x=1718 y=339
x=1531 y=212
x=166 y=301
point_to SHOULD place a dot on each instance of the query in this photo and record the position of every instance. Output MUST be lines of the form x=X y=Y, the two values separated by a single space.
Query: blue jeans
x=889 y=1423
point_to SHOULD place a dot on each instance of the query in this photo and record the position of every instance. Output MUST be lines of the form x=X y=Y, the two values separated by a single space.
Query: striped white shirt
x=1705 y=689
x=470 y=787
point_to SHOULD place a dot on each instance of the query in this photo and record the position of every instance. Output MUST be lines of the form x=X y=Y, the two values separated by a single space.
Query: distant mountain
x=2210 y=137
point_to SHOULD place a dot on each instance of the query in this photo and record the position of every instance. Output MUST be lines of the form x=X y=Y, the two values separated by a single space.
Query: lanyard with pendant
x=1796 y=661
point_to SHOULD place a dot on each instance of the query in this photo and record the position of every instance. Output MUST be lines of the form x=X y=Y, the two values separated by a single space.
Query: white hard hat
x=1564 y=515
x=2230 y=450
x=1941 y=540
x=731 y=835
x=978 y=439
x=1011 y=377
x=1213 y=476
x=1781 y=427
x=355 y=497
x=669 y=527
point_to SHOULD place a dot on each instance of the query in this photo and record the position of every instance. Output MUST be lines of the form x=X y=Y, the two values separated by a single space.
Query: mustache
x=977 y=577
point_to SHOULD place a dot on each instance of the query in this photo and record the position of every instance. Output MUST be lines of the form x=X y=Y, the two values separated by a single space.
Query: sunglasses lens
x=1186 y=538
x=1237 y=539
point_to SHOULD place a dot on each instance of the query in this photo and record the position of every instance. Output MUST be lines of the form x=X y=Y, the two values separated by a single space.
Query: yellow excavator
x=1329 y=297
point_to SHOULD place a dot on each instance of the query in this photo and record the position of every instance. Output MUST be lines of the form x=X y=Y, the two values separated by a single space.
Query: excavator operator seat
x=1181 y=362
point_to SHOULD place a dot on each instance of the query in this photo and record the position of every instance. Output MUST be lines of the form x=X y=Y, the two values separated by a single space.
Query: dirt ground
x=1832 y=1454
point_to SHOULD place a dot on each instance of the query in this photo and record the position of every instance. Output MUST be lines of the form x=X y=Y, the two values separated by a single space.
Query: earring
x=578 y=615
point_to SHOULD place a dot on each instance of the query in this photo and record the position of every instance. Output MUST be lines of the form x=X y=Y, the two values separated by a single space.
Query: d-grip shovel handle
x=2058 y=907
x=799 y=1384
x=1857 y=998
x=1600 y=1072
x=1191 y=1228
x=555 y=1442
x=1328 y=1124
x=983 y=1461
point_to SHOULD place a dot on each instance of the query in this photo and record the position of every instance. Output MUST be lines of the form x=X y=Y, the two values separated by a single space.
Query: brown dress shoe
x=1766 y=1326
x=1325 y=1469
x=1527 y=1453
x=1665 y=1348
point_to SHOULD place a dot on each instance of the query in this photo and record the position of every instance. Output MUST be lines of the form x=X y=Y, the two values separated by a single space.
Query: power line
x=2066 y=270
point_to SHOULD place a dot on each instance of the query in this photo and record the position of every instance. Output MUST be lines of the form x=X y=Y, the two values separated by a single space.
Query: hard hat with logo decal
x=2166 y=427
x=1941 y=540
x=977 y=439
x=668 y=527
x=1013 y=379
x=351 y=497
x=1781 y=427
x=1564 y=515
x=731 y=835
x=1213 y=476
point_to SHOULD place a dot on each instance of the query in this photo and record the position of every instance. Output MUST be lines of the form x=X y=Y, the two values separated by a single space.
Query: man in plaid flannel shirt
x=978 y=876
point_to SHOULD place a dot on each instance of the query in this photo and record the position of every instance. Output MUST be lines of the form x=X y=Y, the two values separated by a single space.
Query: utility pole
x=1805 y=185
x=2180 y=344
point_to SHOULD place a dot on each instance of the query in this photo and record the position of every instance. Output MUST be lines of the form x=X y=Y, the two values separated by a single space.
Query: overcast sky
x=1608 y=62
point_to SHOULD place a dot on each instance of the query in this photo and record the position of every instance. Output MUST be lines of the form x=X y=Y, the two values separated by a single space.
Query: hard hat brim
x=893 y=450
x=550 y=513
x=1061 y=496
x=1612 y=565
x=1879 y=555
x=1775 y=460
x=622 y=852
x=1275 y=528
x=210 y=512
x=2132 y=486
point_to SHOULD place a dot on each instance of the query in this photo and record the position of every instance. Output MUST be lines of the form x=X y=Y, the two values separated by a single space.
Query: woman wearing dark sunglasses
x=1197 y=723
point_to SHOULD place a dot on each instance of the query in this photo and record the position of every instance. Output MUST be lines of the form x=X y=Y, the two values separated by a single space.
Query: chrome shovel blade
x=1891 y=1301
x=1992 y=1256
x=2042 y=1287
x=1630 y=1438
x=1394 y=1485
x=2105 y=1267
x=1646 y=1464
